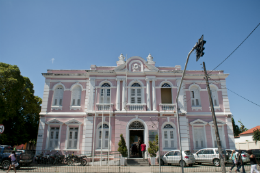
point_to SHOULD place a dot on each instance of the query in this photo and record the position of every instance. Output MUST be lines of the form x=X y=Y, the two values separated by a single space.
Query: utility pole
x=215 y=122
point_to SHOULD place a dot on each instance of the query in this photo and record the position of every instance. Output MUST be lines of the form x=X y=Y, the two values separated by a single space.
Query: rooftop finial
x=121 y=57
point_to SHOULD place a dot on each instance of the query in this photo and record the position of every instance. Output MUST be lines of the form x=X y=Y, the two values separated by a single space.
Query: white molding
x=63 y=113
x=195 y=85
x=203 y=123
x=73 y=122
x=56 y=107
x=54 y=121
x=198 y=120
x=76 y=84
x=131 y=64
x=57 y=84
x=196 y=108
x=128 y=133
x=96 y=135
x=105 y=81
x=207 y=113
x=136 y=81
x=64 y=81
x=75 y=107
x=168 y=82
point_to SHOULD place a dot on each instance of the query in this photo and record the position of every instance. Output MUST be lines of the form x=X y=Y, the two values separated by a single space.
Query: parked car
x=209 y=155
x=5 y=161
x=174 y=157
x=244 y=154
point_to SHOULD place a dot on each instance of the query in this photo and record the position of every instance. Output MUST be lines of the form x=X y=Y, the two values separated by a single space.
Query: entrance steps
x=137 y=162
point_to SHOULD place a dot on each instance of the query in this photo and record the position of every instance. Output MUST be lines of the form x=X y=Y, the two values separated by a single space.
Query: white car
x=209 y=155
x=174 y=158
x=245 y=156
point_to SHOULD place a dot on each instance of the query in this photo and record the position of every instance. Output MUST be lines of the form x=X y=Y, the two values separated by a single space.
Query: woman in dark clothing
x=253 y=162
x=240 y=162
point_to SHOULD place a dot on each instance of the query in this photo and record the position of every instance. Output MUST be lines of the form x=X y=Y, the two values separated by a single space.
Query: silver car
x=245 y=156
x=209 y=155
x=174 y=158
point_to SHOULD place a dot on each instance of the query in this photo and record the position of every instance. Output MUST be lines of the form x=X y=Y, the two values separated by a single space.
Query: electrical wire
x=235 y=49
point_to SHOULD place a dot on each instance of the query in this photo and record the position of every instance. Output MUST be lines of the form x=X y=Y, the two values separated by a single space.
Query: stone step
x=137 y=162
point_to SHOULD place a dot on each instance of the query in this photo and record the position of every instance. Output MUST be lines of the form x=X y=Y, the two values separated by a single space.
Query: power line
x=236 y=48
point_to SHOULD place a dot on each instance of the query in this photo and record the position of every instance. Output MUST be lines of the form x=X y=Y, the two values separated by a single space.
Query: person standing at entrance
x=143 y=148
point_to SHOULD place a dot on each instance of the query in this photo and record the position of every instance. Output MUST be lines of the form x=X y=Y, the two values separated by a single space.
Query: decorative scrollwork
x=105 y=126
x=105 y=85
x=165 y=85
x=168 y=126
x=136 y=125
x=136 y=85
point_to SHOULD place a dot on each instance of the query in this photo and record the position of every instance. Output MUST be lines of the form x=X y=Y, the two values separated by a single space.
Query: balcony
x=104 y=106
x=136 y=107
x=167 y=107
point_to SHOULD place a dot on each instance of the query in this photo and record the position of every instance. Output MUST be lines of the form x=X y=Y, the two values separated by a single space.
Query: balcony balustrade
x=136 y=107
x=167 y=107
x=104 y=106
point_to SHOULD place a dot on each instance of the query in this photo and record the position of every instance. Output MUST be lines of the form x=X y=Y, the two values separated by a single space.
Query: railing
x=136 y=107
x=104 y=106
x=167 y=107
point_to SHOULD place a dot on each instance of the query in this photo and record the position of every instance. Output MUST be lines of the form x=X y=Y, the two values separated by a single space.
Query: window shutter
x=73 y=102
x=78 y=102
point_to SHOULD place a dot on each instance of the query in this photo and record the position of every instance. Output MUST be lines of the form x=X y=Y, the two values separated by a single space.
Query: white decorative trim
x=73 y=122
x=136 y=81
x=105 y=81
x=57 y=84
x=136 y=61
x=96 y=137
x=196 y=108
x=216 y=108
x=166 y=81
x=194 y=85
x=76 y=84
x=56 y=107
x=198 y=121
x=75 y=107
x=54 y=122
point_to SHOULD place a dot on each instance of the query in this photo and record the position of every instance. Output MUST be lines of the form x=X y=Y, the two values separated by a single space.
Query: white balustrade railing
x=104 y=106
x=136 y=107
x=167 y=107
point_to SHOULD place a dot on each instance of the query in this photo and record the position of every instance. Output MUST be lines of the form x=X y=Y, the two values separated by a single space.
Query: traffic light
x=200 y=48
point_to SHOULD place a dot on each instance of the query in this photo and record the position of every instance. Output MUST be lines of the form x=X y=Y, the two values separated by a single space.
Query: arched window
x=195 y=96
x=136 y=93
x=214 y=94
x=168 y=136
x=166 y=93
x=105 y=93
x=104 y=136
x=58 y=95
x=76 y=96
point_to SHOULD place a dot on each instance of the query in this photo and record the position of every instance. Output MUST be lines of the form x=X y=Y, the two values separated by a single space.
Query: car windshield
x=187 y=152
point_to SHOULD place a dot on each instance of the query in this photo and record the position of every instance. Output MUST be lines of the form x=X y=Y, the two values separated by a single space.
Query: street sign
x=2 y=128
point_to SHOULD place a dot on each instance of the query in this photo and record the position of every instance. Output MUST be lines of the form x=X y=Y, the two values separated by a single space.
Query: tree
x=236 y=128
x=122 y=146
x=256 y=135
x=242 y=127
x=153 y=147
x=19 y=108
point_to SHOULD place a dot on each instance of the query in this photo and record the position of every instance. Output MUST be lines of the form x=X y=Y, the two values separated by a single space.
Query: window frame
x=199 y=123
x=130 y=87
x=105 y=90
x=222 y=125
x=98 y=130
x=167 y=130
x=73 y=123
x=57 y=99
x=53 y=123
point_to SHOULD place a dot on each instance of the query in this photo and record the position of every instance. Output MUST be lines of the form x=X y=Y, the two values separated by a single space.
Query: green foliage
x=19 y=108
x=256 y=135
x=153 y=147
x=242 y=127
x=236 y=128
x=122 y=146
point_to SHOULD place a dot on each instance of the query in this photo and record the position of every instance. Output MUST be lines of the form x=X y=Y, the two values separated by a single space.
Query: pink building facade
x=136 y=99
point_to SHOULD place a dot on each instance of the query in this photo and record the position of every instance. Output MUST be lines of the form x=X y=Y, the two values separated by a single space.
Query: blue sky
x=80 y=33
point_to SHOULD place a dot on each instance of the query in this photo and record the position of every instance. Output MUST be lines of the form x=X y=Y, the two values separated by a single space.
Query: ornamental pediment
x=73 y=122
x=54 y=121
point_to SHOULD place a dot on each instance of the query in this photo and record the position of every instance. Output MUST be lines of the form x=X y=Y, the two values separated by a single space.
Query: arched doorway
x=136 y=137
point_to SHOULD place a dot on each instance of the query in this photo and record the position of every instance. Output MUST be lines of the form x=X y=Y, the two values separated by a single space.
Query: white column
x=230 y=133
x=184 y=133
x=225 y=97
x=91 y=93
x=45 y=95
x=40 y=135
x=154 y=95
x=148 y=94
x=118 y=95
x=87 y=134
x=123 y=95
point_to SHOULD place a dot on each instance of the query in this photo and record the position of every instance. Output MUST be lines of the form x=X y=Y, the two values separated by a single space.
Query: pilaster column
x=148 y=94
x=91 y=93
x=123 y=95
x=154 y=95
x=118 y=95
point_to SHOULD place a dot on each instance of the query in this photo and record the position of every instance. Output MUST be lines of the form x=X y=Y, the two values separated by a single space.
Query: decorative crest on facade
x=105 y=126
x=136 y=125
x=168 y=126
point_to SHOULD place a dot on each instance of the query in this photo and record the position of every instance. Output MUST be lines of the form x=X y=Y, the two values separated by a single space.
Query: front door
x=136 y=139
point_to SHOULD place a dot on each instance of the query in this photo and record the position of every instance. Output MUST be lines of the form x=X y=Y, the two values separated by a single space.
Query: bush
x=153 y=147
x=256 y=135
x=122 y=146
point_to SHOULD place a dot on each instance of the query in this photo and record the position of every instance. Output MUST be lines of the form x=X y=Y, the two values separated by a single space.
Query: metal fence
x=69 y=161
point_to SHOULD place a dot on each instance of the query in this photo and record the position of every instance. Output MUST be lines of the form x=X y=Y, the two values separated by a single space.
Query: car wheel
x=6 y=164
x=182 y=163
x=216 y=162
x=83 y=162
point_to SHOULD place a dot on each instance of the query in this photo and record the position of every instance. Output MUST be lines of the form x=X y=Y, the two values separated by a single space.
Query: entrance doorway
x=136 y=139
